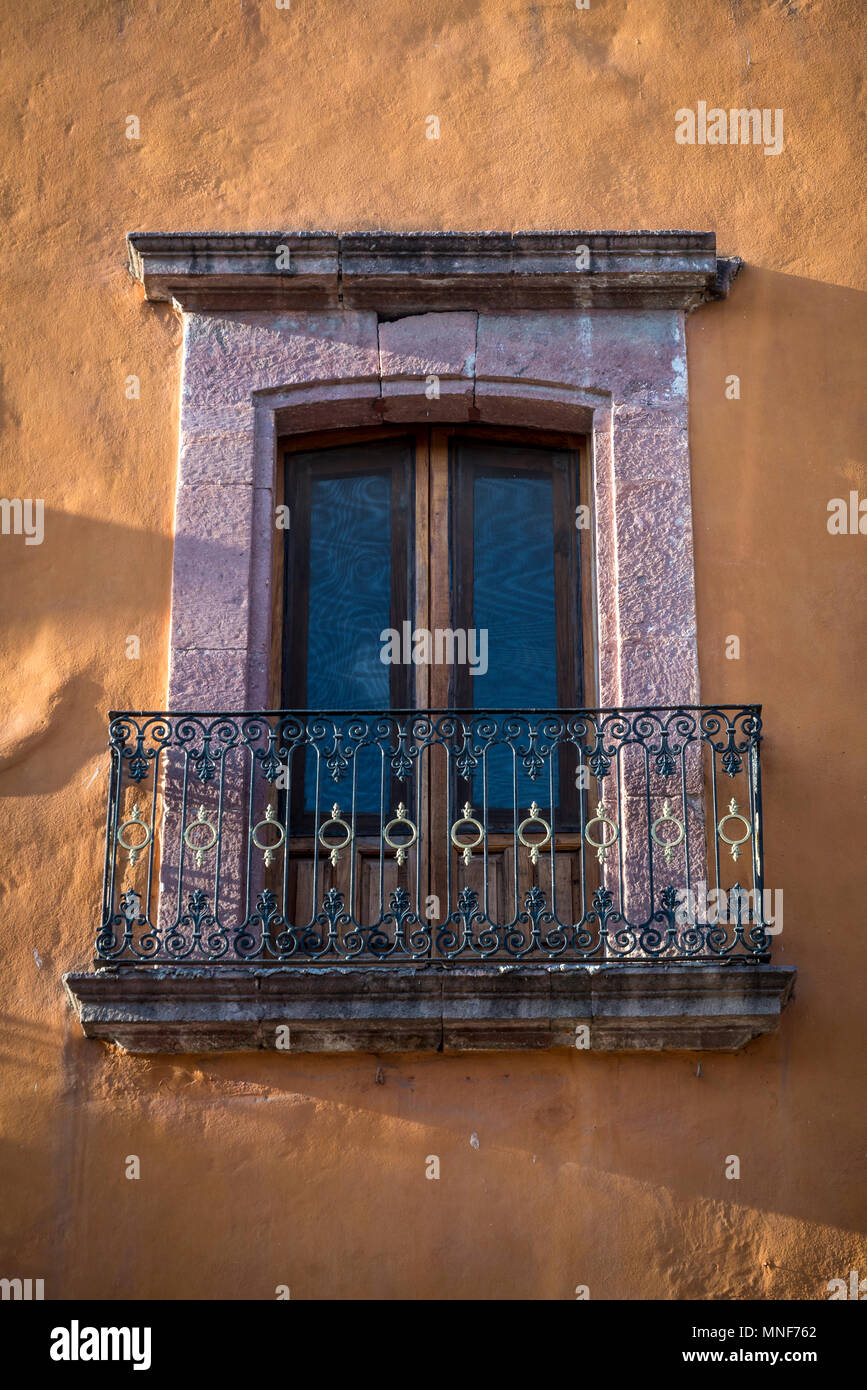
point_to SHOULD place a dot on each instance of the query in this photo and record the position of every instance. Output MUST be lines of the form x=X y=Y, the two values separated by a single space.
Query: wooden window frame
x=432 y=493
x=290 y=678
x=430 y=563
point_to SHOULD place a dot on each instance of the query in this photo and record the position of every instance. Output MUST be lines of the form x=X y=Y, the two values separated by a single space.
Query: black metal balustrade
x=619 y=835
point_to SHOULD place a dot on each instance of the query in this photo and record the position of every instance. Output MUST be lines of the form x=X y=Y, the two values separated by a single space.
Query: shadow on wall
x=52 y=737
x=79 y=596
x=614 y=1165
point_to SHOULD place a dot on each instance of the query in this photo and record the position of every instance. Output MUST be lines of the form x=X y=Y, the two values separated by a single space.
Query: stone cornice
x=417 y=272
x=388 y=1008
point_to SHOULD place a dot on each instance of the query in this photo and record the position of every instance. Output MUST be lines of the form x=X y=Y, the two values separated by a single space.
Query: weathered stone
x=202 y=270
x=534 y=405
x=652 y=444
x=664 y=672
x=322 y=406
x=229 y=356
x=654 y=530
x=211 y=580
x=421 y=345
x=265 y=538
x=401 y=1009
x=618 y=375
x=623 y=354
x=218 y=456
x=405 y=402
x=417 y=271
x=212 y=679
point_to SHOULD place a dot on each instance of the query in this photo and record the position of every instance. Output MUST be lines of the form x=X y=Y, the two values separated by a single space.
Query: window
x=444 y=529
x=456 y=553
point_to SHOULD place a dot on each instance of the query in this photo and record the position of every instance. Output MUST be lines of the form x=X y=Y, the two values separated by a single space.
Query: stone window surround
x=348 y=334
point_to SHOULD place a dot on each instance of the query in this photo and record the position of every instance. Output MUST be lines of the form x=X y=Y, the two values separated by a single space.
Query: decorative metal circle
x=601 y=846
x=734 y=814
x=269 y=821
x=335 y=846
x=201 y=821
x=400 y=847
x=467 y=847
x=534 y=818
x=667 y=819
x=133 y=851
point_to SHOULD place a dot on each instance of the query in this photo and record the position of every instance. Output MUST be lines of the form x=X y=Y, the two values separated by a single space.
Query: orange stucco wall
x=589 y=1169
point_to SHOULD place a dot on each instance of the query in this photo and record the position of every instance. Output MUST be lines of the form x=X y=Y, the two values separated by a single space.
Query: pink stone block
x=655 y=562
x=208 y=680
x=217 y=457
x=428 y=344
x=528 y=405
x=404 y=402
x=221 y=680
x=209 y=418
x=651 y=443
x=265 y=537
x=631 y=354
x=419 y=348
x=609 y=674
x=664 y=672
x=264 y=459
x=228 y=356
x=324 y=406
x=211 y=581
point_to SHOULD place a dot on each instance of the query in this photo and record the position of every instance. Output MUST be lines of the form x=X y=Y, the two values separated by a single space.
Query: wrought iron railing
x=597 y=836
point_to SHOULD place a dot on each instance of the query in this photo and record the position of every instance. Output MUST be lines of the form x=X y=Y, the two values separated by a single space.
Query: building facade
x=431 y=642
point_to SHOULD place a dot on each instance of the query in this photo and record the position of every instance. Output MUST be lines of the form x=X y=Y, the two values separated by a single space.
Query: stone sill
x=419 y=272
x=431 y=1008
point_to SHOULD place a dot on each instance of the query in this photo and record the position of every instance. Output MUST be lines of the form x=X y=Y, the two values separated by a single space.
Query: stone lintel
x=418 y=272
x=387 y=1008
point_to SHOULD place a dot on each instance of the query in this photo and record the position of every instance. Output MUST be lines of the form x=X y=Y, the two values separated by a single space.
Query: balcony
x=414 y=879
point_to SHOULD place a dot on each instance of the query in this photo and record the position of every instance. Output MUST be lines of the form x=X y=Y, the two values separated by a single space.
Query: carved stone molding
x=408 y=1009
x=416 y=272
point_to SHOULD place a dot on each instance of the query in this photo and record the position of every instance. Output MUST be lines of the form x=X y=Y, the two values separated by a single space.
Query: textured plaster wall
x=588 y=1170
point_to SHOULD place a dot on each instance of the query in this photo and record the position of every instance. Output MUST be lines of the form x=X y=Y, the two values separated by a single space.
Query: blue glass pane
x=350 y=605
x=513 y=598
x=513 y=591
